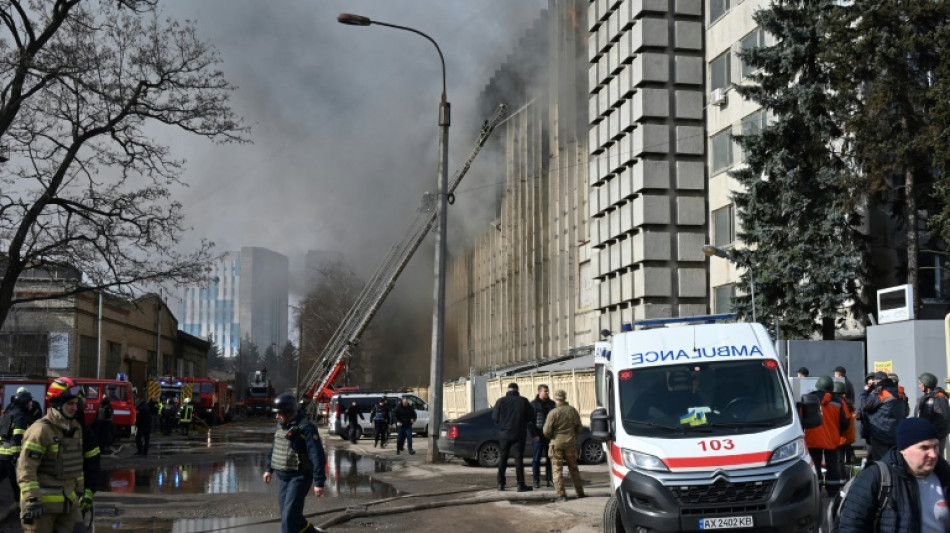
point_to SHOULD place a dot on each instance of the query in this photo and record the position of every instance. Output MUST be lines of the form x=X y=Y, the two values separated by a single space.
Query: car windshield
x=720 y=398
x=206 y=388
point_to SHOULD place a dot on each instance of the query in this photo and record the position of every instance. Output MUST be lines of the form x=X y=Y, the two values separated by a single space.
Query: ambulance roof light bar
x=699 y=319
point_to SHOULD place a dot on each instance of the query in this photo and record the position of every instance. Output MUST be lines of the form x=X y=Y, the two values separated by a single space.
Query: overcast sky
x=344 y=119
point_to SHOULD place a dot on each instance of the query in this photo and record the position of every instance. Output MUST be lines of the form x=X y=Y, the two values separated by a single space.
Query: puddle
x=348 y=474
x=195 y=525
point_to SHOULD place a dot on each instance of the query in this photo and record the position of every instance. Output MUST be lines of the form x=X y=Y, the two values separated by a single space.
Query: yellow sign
x=884 y=366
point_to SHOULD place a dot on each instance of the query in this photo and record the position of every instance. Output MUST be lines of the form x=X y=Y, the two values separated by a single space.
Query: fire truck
x=163 y=388
x=120 y=397
x=212 y=399
x=259 y=394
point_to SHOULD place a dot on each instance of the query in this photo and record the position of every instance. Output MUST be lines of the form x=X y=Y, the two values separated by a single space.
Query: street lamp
x=438 y=311
x=711 y=250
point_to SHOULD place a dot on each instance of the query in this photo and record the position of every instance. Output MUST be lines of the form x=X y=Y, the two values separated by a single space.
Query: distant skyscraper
x=245 y=296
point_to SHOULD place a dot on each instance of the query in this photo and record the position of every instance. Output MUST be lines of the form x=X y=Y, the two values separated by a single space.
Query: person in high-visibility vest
x=185 y=415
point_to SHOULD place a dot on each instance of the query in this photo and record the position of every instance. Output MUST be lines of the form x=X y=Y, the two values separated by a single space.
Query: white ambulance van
x=701 y=430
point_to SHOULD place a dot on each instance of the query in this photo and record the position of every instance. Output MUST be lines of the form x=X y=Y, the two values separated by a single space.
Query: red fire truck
x=120 y=397
x=259 y=394
x=212 y=399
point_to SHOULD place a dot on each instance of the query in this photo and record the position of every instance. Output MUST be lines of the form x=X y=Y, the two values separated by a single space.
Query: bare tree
x=84 y=87
x=324 y=308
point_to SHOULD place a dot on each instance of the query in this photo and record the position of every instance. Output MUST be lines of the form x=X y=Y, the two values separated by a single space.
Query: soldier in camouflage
x=562 y=426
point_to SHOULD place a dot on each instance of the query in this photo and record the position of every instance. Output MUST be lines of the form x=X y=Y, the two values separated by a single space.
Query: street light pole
x=438 y=311
x=710 y=251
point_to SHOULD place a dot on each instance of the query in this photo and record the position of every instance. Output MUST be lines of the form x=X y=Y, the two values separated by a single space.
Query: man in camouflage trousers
x=562 y=426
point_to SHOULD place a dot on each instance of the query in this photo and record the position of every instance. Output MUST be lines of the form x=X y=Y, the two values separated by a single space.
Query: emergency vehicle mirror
x=600 y=425
x=809 y=409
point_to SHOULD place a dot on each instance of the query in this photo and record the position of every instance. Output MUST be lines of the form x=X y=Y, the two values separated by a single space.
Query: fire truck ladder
x=347 y=335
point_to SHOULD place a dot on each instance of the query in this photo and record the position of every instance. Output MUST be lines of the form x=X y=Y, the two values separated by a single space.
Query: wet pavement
x=348 y=474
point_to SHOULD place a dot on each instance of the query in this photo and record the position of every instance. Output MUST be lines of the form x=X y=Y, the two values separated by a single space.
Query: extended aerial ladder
x=316 y=384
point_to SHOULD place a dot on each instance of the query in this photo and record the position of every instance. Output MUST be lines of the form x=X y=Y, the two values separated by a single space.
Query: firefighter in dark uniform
x=299 y=460
x=50 y=468
x=13 y=426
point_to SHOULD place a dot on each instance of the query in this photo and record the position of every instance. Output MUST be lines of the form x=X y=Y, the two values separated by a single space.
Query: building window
x=724 y=226
x=88 y=356
x=722 y=298
x=720 y=71
x=754 y=39
x=718 y=8
x=722 y=151
x=754 y=123
x=113 y=359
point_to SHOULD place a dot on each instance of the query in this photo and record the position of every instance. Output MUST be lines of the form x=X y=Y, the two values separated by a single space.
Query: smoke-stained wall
x=514 y=295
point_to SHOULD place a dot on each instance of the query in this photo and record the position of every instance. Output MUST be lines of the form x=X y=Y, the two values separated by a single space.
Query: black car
x=474 y=438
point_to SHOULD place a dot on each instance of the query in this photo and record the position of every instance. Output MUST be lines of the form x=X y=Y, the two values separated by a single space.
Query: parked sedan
x=474 y=438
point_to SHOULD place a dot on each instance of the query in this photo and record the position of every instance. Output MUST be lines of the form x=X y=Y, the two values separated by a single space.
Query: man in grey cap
x=562 y=426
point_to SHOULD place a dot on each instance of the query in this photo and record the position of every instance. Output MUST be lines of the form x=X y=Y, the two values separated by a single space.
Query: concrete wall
x=914 y=347
x=647 y=193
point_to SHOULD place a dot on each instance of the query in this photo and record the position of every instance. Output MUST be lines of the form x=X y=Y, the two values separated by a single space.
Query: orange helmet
x=61 y=390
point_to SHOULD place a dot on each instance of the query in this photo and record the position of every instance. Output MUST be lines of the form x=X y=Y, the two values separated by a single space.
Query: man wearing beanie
x=920 y=481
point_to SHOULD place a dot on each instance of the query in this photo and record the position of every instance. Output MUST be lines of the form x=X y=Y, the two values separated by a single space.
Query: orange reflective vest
x=848 y=436
x=827 y=436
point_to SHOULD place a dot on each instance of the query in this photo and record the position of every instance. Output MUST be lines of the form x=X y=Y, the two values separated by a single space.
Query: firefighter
x=381 y=416
x=50 y=468
x=13 y=425
x=103 y=425
x=169 y=413
x=298 y=457
x=185 y=415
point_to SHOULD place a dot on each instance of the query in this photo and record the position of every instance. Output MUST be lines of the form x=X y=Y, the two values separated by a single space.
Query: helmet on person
x=825 y=383
x=840 y=387
x=929 y=380
x=285 y=404
x=61 y=390
x=168 y=401
x=893 y=377
x=23 y=397
x=187 y=400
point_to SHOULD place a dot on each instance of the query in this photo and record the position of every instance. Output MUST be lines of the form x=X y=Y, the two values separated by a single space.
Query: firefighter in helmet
x=185 y=415
x=50 y=468
x=13 y=426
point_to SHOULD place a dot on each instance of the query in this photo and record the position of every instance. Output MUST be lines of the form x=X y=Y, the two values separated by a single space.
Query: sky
x=344 y=119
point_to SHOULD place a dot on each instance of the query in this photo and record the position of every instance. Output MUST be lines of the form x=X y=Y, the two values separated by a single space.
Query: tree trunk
x=913 y=245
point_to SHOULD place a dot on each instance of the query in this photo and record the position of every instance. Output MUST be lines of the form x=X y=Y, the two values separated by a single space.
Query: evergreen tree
x=887 y=55
x=799 y=205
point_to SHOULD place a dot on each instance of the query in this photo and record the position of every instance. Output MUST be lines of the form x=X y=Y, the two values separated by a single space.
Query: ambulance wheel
x=612 y=522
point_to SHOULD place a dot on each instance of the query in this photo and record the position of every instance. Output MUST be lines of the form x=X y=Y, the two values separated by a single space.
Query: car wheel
x=489 y=454
x=612 y=522
x=470 y=462
x=592 y=452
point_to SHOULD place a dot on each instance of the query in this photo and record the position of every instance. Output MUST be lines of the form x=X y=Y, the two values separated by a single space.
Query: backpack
x=833 y=511
x=940 y=413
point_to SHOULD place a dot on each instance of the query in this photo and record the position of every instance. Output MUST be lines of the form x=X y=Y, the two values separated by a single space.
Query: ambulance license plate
x=726 y=522
x=442 y=433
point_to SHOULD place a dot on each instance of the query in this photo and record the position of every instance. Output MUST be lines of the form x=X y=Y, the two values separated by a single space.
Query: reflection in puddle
x=348 y=474
x=242 y=525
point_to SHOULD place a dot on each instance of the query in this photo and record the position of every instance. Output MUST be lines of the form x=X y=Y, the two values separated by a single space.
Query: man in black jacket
x=920 y=483
x=405 y=417
x=515 y=418
x=353 y=417
x=542 y=405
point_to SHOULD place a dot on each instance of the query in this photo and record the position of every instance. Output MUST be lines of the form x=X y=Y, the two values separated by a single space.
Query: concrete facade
x=60 y=337
x=245 y=297
x=522 y=292
x=647 y=196
x=728 y=29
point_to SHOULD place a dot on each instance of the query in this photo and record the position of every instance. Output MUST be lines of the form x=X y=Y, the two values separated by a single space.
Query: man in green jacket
x=562 y=426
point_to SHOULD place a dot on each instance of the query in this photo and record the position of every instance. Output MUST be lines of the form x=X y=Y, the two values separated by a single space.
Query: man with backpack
x=906 y=491
x=934 y=406
x=823 y=441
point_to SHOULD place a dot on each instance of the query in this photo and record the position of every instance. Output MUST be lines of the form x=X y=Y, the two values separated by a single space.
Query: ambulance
x=701 y=430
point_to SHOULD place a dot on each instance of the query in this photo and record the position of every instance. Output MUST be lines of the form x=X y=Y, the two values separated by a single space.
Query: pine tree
x=888 y=56
x=799 y=204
